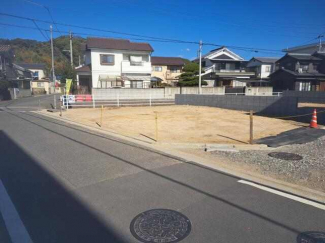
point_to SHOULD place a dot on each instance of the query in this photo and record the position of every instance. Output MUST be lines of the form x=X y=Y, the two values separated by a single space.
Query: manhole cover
x=285 y=156
x=311 y=237
x=160 y=225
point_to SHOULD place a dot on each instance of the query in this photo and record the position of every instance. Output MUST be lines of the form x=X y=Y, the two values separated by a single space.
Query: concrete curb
x=282 y=186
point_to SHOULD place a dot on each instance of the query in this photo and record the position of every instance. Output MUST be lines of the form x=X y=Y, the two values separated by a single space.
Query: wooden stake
x=101 y=116
x=251 y=127
x=156 y=118
x=60 y=108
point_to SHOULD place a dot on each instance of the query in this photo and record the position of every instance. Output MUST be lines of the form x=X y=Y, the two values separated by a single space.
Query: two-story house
x=223 y=67
x=18 y=76
x=167 y=69
x=38 y=69
x=262 y=66
x=115 y=63
x=300 y=72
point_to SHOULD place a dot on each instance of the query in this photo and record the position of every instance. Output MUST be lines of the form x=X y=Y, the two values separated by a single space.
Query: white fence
x=96 y=101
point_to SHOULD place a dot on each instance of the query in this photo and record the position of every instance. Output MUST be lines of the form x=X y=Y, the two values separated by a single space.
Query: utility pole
x=53 y=72
x=200 y=67
x=320 y=42
x=71 y=54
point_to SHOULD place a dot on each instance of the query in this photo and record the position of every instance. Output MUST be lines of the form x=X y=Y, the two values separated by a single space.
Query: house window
x=137 y=84
x=107 y=59
x=40 y=85
x=136 y=61
x=110 y=84
x=304 y=86
x=267 y=69
x=157 y=68
x=174 y=69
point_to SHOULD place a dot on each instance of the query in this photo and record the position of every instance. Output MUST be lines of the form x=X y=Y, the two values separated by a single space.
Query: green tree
x=190 y=76
x=67 y=73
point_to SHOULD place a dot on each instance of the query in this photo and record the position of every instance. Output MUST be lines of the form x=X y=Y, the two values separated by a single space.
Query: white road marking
x=283 y=194
x=15 y=226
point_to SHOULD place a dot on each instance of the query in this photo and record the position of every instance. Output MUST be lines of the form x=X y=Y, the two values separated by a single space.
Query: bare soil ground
x=182 y=124
x=312 y=105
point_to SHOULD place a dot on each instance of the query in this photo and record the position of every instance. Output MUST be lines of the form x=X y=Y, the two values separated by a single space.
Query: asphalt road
x=62 y=183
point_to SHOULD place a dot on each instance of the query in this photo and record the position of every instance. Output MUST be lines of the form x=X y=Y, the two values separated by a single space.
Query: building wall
x=45 y=86
x=166 y=75
x=264 y=73
x=41 y=74
x=161 y=74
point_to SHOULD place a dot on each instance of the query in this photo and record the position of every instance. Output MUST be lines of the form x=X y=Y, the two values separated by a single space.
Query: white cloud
x=180 y=55
x=188 y=49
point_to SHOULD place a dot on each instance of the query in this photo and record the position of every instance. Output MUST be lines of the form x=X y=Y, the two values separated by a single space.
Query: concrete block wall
x=306 y=96
x=264 y=105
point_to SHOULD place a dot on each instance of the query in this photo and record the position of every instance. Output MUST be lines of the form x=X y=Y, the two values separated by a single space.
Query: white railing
x=96 y=101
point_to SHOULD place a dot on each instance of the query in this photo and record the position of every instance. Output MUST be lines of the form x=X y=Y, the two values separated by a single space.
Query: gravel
x=309 y=172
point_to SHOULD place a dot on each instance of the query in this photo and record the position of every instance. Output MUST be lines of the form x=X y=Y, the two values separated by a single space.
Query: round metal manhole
x=285 y=156
x=160 y=225
x=311 y=237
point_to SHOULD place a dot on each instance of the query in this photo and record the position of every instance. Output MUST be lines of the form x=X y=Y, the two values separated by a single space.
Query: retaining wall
x=264 y=105
x=306 y=96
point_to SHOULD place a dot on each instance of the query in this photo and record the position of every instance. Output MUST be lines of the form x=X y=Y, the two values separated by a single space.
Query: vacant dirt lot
x=181 y=124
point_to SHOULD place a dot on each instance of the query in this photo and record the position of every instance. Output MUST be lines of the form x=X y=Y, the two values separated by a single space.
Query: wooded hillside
x=32 y=51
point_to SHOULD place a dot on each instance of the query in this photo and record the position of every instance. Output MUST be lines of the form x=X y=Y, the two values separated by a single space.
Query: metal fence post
x=55 y=102
x=150 y=99
x=94 y=103
x=67 y=101
x=118 y=99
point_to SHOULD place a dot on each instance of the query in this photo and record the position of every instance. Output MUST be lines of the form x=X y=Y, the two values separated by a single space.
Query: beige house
x=168 y=69
x=41 y=86
x=37 y=69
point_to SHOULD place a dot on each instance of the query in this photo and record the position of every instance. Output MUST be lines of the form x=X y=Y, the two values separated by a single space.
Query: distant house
x=306 y=49
x=223 y=67
x=300 y=72
x=38 y=69
x=18 y=77
x=115 y=63
x=167 y=69
x=262 y=66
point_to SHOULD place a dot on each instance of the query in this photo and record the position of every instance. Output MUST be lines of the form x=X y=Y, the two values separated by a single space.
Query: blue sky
x=274 y=24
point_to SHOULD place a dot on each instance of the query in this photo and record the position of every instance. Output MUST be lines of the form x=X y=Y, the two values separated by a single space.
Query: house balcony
x=139 y=67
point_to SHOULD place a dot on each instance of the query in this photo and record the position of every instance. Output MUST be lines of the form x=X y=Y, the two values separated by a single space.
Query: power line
x=148 y=38
x=47 y=9
x=101 y=30
x=41 y=31
x=247 y=49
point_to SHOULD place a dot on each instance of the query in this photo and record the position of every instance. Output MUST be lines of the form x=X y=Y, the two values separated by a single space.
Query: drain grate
x=160 y=225
x=285 y=156
x=311 y=237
